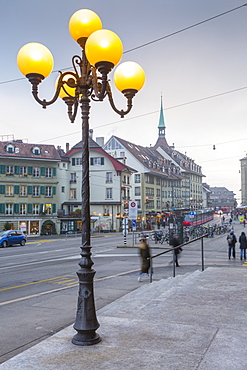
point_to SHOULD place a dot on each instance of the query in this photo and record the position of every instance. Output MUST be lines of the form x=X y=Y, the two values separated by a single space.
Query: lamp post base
x=86 y=339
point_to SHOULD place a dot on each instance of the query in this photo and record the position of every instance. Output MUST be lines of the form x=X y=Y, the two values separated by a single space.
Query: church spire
x=161 y=126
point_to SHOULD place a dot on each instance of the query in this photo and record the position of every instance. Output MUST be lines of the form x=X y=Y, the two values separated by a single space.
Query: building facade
x=166 y=180
x=243 y=163
x=220 y=198
x=109 y=189
x=28 y=187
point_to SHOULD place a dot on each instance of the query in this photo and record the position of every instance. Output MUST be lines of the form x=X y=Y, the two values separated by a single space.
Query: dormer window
x=10 y=148
x=36 y=150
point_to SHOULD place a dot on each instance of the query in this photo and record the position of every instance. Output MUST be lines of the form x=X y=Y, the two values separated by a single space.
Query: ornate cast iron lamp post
x=101 y=51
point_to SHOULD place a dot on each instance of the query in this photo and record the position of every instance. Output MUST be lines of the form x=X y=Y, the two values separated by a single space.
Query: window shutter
x=2 y=189
x=42 y=190
x=54 y=190
x=2 y=208
x=73 y=161
x=29 y=208
x=30 y=170
x=102 y=161
x=16 y=189
x=91 y=161
x=42 y=171
x=54 y=208
x=16 y=208
x=54 y=172
x=17 y=170
x=2 y=168
x=30 y=189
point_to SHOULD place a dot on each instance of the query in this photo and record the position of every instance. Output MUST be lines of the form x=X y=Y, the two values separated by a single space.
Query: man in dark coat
x=175 y=242
x=243 y=245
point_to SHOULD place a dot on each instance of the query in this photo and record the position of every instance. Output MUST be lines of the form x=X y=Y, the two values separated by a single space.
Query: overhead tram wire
x=151 y=42
x=156 y=111
x=186 y=28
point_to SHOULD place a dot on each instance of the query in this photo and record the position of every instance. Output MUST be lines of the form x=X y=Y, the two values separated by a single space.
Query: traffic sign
x=132 y=210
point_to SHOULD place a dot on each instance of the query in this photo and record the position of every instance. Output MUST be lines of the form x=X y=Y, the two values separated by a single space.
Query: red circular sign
x=133 y=204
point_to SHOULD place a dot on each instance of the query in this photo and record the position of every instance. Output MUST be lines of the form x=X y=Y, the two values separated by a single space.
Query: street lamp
x=101 y=51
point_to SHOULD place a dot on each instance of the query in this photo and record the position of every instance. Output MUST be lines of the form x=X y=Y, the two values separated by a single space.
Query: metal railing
x=173 y=249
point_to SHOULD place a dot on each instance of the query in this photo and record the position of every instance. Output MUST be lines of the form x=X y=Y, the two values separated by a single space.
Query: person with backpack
x=232 y=240
x=243 y=245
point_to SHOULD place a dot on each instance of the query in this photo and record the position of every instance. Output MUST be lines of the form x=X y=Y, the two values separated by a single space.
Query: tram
x=194 y=218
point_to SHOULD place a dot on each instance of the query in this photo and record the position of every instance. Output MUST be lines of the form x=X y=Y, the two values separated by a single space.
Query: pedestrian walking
x=145 y=257
x=244 y=222
x=232 y=240
x=243 y=245
x=175 y=243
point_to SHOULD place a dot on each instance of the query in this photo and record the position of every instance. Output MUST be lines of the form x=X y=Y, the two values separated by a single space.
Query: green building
x=28 y=187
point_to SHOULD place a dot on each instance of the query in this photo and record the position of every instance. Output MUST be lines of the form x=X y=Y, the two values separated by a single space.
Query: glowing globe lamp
x=103 y=46
x=35 y=58
x=66 y=90
x=129 y=75
x=83 y=23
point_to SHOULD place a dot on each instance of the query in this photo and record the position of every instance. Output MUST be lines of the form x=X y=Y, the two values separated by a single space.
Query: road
x=39 y=285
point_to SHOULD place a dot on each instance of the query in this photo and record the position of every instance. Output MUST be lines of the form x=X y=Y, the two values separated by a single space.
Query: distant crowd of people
x=231 y=240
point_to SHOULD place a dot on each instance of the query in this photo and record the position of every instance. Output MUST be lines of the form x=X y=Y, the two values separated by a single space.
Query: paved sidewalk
x=194 y=321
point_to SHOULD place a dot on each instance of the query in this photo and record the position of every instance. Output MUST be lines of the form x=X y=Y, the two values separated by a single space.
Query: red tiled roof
x=25 y=150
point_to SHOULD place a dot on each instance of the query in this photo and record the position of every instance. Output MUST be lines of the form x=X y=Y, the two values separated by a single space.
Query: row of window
x=24 y=171
x=94 y=161
x=10 y=148
x=150 y=192
x=150 y=179
x=109 y=180
x=72 y=193
x=27 y=208
x=25 y=190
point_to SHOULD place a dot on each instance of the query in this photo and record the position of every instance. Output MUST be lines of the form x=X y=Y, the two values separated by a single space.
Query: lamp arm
x=99 y=85
x=35 y=79
x=121 y=112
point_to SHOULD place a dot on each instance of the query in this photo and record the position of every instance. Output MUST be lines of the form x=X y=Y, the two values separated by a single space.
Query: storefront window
x=34 y=227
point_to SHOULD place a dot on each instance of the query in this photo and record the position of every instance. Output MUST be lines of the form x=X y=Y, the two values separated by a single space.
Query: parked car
x=11 y=237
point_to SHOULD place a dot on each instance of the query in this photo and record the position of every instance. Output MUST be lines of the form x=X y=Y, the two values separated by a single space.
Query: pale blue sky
x=203 y=61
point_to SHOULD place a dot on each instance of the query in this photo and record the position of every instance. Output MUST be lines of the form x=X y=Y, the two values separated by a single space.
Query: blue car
x=11 y=237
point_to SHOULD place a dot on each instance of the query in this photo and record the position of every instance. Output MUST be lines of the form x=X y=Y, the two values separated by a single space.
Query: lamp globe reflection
x=101 y=50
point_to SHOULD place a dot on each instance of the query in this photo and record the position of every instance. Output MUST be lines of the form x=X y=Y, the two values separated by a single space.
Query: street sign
x=132 y=210
x=134 y=225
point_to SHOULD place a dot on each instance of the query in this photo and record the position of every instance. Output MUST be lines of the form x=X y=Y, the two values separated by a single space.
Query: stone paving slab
x=195 y=321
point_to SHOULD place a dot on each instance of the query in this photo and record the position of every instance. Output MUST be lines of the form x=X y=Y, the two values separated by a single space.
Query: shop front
x=30 y=227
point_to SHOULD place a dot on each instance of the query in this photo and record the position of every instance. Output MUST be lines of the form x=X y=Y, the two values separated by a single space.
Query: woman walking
x=145 y=257
x=243 y=245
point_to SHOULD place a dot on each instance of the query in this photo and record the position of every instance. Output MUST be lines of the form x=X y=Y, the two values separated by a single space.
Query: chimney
x=100 y=141
x=67 y=147
x=91 y=133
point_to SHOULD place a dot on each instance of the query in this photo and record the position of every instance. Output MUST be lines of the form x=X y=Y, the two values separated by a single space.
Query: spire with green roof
x=161 y=126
